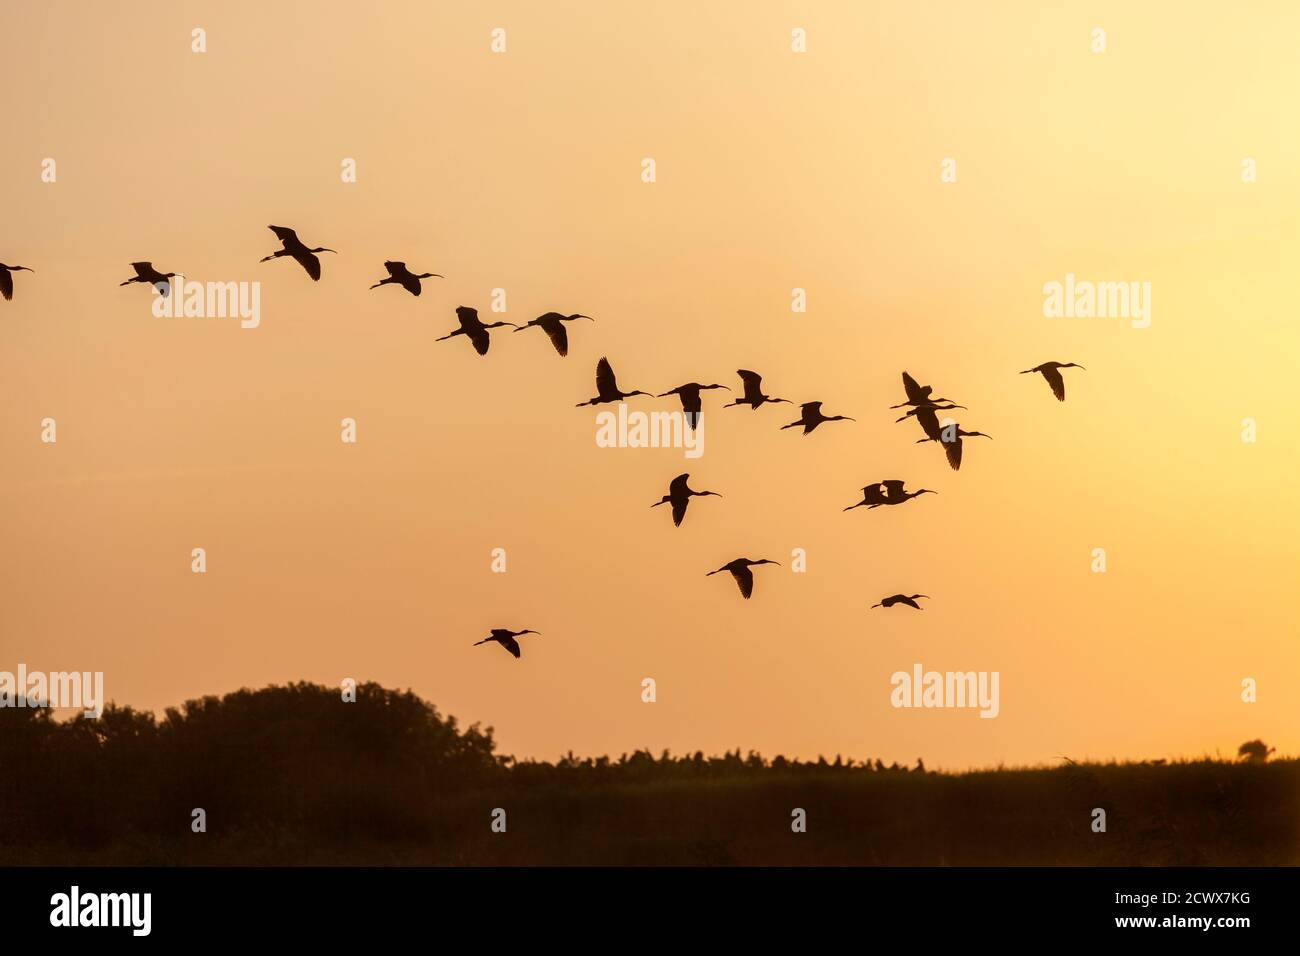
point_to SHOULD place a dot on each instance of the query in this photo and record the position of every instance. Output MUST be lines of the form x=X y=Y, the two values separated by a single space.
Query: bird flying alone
x=607 y=389
x=812 y=417
x=297 y=250
x=505 y=638
x=473 y=328
x=753 y=391
x=552 y=324
x=398 y=274
x=690 y=398
x=1052 y=372
x=908 y=599
x=888 y=492
x=7 y=280
x=145 y=272
x=740 y=570
x=679 y=496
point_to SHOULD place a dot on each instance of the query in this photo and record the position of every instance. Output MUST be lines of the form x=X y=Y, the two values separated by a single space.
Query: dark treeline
x=296 y=774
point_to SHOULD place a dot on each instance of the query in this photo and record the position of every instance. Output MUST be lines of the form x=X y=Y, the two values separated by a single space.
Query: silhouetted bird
x=918 y=394
x=892 y=494
x=474 y=329
x=679 y=496
x=812 y=417
x=7 y=280
x=927 y=418
x=753 y=396
x=145 y=272
x=909 y=600
x=607 y=389
x=550 y=323
x=398 y=274
x=950 y=437
x=690 y=398
x=872 y=495
x=740 y=571
x=294 y=247
x=505 y=638
x=1052 y=372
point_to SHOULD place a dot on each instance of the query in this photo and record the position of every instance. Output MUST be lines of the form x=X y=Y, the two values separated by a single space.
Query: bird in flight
x=7 y=280
x=145 y=272
x=607 y=389
x=550 y=323
x=1052 y=372
x=753 y=392
x=740 y=570
x=812 y=417
x=919 y=394
x=473 y=327
x=294 y=247
x=679 y=496
x=927 y=418
x=505 y=638
x=690 y=397
x=909 y=600
x=398 y=274
x=888 y=492
x=950 y=437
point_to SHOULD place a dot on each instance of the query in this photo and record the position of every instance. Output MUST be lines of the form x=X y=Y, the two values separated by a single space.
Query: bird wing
x=677 y=486
x=753 y=382
x=558 y=336
x=510 y=644
x=893 y=487
x=479 y=336
x=6 y=284
x=912 y=388
x=395 y=268
x=605 y=383
x=745 y=579
x=143 y=269
x=310 y=262
x=1057 y=381
x=814 y=407
x=283 y=233
x=929 y=422
x=409 y=282
x=679 y=510
x=691 y=402
x=953 y=450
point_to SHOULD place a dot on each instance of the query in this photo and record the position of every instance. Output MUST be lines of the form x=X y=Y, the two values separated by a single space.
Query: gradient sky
x=775 y=170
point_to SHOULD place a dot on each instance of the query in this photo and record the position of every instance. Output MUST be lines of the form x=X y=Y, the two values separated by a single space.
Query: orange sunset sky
x=775 y=170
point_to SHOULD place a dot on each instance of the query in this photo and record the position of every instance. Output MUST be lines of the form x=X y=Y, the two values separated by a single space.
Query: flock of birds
x=919 y=401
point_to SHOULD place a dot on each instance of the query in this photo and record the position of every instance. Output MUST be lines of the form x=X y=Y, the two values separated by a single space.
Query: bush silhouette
x=1255 y=751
